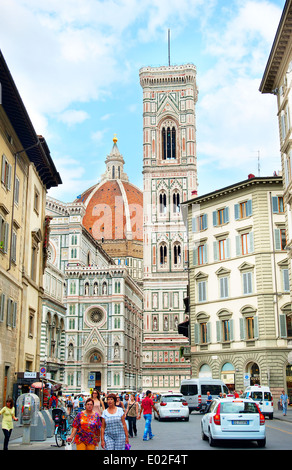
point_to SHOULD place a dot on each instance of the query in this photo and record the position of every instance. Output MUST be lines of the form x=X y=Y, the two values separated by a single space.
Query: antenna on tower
x=169 y=47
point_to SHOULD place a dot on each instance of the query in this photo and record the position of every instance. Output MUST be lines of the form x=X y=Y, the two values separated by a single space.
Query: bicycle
x=62 y=427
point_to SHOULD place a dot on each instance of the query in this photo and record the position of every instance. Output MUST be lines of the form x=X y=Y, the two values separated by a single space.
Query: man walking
x=147 y=406
x=284 y=402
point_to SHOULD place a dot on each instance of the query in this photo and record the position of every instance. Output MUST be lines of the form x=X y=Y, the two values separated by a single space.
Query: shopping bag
x=68 y=446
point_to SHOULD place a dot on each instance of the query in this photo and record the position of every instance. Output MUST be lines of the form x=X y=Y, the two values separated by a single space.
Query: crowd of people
x=109 y=419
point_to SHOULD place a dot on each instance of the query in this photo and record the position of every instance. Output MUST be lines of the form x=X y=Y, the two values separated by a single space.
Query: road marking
x=278 y=429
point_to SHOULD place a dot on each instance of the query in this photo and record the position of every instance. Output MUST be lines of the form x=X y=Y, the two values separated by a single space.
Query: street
x=185 y=436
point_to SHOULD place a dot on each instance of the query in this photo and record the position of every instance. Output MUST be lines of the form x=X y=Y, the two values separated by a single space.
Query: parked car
x=263 y=397
x=172 y=406
x=237 y=418
x=195 y=391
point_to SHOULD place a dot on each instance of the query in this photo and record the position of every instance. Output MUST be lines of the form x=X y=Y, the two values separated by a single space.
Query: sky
x=76 y=66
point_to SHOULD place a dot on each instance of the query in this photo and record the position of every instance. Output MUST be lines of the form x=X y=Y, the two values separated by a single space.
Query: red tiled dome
x=114 y=211
x=114 y=207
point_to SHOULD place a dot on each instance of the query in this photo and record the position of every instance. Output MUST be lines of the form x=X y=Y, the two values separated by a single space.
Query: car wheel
x=262 y=442
x=187 y=419
x=203 y=435
x=212 y=441
x=271 y=416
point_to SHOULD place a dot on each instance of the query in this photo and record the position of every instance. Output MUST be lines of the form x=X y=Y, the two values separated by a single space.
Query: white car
x=233 y=418
x=172 y=406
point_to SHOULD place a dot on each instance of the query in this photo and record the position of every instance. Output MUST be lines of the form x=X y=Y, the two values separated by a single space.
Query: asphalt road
x=179 y=437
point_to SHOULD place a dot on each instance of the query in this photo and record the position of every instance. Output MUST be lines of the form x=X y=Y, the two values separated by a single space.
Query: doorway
x=97 y=385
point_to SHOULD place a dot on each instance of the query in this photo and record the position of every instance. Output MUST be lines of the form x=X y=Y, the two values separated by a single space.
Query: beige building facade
x=277 y=80
x=240 y=308
x=27 y=171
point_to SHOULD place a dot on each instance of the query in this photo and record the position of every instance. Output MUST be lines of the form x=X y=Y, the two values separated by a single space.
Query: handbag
x=127 y=447
x=68 y=446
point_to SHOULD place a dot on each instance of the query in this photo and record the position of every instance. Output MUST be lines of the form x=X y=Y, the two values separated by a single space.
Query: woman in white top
x=114 y=432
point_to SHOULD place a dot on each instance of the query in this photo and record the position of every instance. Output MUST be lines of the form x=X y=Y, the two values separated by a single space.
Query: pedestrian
x=236 y=395
x=69 y=403
x=209 y=398
x=86 y=428
x=131 y=415
x=8 y=413
x=76 y=404
x=114 y=432
x=146 y=406
x=284 y=400
x=98 y=403
x=81 y=402
x=53 y=403
x=120 y=404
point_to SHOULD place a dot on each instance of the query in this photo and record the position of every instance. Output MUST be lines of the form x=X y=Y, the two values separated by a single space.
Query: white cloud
x=73 y=116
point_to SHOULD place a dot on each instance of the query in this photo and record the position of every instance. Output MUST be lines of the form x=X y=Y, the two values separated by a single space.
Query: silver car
x=233 y=418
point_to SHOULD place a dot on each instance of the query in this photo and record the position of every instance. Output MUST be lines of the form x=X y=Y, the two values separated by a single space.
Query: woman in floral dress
x=86 y=428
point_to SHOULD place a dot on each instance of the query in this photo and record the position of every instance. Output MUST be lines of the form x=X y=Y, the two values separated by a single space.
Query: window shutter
x=14 y=314
x=218 y=331
x=275 y=205
x=216 y=251
x=238 y=250
x=231 y=329
x=286 y=286
x=249 y=208
x=242 y=328
x=228 y=248
x=226 y=215
x=194 y=224
x=205 y=221
x=215 y=218
x=250 y=242
x=197 y=333
x=208 y=332
x=256 y=327
x=236 y=211
x=277 y=239
x=283 y=326
x=195 y=256
x=3 y=169
x=2 y=307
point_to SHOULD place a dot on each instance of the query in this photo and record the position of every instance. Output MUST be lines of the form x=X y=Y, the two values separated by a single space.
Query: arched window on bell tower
x=162 y=203
x=168 y=138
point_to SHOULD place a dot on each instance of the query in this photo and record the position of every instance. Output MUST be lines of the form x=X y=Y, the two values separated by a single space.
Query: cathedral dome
x=114 y=206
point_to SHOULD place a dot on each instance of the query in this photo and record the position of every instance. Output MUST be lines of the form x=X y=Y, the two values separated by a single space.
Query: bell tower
x=170 y=177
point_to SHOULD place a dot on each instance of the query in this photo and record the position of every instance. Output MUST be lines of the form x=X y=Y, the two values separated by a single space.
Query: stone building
x=27 y=172
x=240 y=308
x=170 y=177
x=277 y=80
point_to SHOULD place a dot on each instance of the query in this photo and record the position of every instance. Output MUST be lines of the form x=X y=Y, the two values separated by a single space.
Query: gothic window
x=163 y=255
x=176 y=202
x=162 y=203
x=177 y=254
x=168 y=135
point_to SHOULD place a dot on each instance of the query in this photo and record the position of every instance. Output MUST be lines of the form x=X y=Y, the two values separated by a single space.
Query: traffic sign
x=43 y=372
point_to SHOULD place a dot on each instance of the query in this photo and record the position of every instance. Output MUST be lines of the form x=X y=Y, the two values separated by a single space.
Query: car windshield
x=171 y=398
x=238 y=407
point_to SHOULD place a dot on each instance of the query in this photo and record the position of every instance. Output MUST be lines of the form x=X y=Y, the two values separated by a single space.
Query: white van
x=195 y=391
x=263 y=397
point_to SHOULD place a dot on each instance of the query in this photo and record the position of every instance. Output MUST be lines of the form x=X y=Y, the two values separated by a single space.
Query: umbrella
x=37 y=385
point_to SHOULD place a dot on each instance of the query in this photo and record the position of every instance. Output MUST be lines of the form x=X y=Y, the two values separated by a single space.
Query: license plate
x=240 y=422
x=174 y=411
